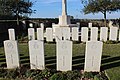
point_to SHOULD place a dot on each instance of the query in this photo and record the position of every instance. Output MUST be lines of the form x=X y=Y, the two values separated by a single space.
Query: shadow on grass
x=77 y=62
x=110 y=62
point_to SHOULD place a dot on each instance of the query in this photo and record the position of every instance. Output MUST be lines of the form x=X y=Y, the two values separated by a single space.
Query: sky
x=52 y=9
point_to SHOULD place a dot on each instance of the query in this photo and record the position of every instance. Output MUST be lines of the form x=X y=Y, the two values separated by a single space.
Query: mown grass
x=110 y=58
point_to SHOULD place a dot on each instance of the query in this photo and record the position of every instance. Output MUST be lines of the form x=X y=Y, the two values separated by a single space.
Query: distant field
x=110 y=58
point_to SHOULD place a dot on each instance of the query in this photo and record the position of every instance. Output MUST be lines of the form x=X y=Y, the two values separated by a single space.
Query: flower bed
x=49 y=74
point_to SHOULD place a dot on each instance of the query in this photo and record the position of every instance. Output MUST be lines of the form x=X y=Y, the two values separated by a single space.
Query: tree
x=103 y=6
x=16 y=7
x=3 y=7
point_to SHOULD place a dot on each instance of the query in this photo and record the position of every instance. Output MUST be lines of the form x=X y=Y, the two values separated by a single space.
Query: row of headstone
x=64 y=33
x=60 y=34
x=63 y=52
x=36 y=50
x=113 y=34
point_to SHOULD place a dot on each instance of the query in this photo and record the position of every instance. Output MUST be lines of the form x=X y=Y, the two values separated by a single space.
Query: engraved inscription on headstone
x=75 y=34
x=64 y=55
x=31 y=34
x=11 y=34
x=93 y=56
x=36 y=51
x=10 y=45
x=113 y=33
x=94 y=34
x=11 y=54
x=84 y=34
x=103 y=33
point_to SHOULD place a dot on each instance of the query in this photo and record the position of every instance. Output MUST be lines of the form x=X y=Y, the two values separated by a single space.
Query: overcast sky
x=52 y=9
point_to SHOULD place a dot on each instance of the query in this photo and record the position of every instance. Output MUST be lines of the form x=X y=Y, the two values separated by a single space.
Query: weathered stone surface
x=11 y=54
x=64 y=55
x=36 y=52
x=93 y=56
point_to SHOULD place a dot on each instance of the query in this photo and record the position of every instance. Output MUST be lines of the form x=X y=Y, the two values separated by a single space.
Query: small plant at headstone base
x=46 y=73
x=28 y=74
x=58 y=76
x=101 y=76
x=73 y=75
x=3 y=73
x=39 y=75
x=13 y=73
x=88 y=75
x=50 y=74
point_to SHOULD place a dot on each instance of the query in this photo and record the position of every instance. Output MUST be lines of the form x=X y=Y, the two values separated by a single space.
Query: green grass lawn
x=110 y=58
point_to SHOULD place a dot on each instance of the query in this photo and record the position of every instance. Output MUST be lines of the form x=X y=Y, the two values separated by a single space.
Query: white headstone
x=36 y=51
x=31 y=34
x=110 y=23
x=11 y=54
x=31 y=25
x=54 y=27
x=42 y=26
x=49 y=34
x=53 y=24
x=66 y=33
x=94 y=34
x=23 y=22
x=40 y=34
x=78 y=25
x=103 y=33
x=119 y=34
x=93 y=56
x=58 y=34
x=64 y=55
x=90 y=25
x=75 y=34
x=113 y=33
x=84 y=34
x=11 y=34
